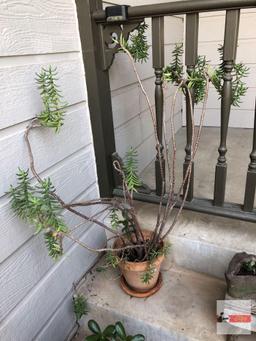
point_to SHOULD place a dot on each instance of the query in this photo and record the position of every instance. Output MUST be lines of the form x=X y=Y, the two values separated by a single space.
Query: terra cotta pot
x=133 y=271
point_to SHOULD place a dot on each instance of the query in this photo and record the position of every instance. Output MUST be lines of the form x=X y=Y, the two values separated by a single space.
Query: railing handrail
x=180 y=7
x=96 y=33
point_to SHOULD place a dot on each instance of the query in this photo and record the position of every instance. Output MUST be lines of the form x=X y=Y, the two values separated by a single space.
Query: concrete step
x=202 y=242
x=183 y=310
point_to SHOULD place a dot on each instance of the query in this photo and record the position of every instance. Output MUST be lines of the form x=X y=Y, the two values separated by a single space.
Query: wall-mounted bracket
x=117 y=13
x=110 y=31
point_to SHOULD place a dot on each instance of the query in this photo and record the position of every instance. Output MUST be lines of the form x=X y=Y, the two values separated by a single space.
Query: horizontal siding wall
x=211 y=35
x=35 y=300
x=132 y=121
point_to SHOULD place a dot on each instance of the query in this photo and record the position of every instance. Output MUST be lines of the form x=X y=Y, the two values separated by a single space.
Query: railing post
x=250 y=186
x=158 y=65
x=191 y=50
x=229 y=55
x=99 y=96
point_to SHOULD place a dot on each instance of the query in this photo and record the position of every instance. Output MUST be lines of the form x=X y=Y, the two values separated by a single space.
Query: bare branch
x=34 y=124
x=193 y=153
x=127 y=247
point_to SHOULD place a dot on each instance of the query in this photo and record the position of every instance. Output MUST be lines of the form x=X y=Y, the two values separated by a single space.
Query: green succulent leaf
x=94 y=327
x=120 y=331
x=109 y=331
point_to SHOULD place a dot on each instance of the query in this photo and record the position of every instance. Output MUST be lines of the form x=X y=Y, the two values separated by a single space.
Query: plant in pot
x=137 y=252
x=241 y=276
x=241 y=287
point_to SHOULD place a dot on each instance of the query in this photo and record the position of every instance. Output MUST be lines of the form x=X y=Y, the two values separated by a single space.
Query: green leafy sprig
x=147 y=275
x=131 y=170
x=22 y=196
x=239 y=72
x=114 y=218
x=53 y=112
x=154 y=254
x=197 y=80
x=112 y=260
x=125 y=223
x=138 y=45
x=174 y=71
x=36 y=205
x=80 y=306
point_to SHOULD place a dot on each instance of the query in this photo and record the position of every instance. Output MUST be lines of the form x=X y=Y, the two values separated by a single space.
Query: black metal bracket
x=111 y=31
x=117 y=13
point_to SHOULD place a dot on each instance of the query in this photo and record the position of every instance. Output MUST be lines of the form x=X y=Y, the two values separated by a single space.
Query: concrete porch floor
x=183 y=310
x=185 y=307
x=239 y=144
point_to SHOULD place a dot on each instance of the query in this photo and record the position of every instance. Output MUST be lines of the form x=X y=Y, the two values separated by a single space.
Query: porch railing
x=95 y=33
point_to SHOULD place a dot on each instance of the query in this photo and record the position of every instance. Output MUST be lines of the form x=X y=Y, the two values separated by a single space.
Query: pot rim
x=143 y=264
x=239 y=276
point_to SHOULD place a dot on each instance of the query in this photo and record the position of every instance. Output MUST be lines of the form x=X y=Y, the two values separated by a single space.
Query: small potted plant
x=241 y=285
x=241 y=276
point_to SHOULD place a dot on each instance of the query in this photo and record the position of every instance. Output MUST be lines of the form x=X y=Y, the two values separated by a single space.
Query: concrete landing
x=202 y=242
x=183 y=310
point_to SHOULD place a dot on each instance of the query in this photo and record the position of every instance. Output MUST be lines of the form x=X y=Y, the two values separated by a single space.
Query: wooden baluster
x=229 y=55
x=158 y=65
x=191 y=49
x=251 y=175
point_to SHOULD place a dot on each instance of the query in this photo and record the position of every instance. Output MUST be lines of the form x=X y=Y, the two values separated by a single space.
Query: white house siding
x=132 y=122
x=35 y=300
x=211 y=34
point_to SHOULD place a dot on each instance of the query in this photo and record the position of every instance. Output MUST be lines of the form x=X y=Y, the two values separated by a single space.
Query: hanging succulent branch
x=54 y=108
x=239 y=88
x=196 y=79
x=131 y=170
x=174 y=72
x=138 y=45
x=36 y=205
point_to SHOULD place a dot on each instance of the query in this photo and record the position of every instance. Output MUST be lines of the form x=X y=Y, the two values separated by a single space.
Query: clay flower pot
x=133 y=271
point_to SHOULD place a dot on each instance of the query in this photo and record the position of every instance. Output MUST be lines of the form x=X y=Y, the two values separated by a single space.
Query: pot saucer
x=134 y=293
